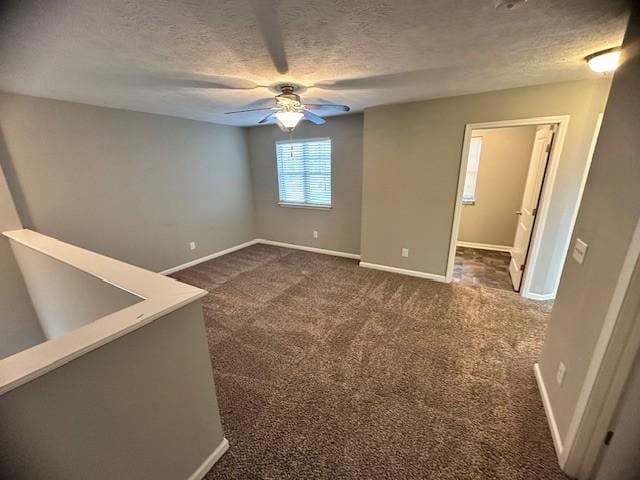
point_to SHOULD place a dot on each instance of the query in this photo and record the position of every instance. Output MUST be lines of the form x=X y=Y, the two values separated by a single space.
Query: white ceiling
x=160 y=56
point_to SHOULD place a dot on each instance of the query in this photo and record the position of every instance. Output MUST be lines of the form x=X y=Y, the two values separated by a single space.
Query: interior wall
x=134 y=186
x=64 y=297
x=141 y=406
x=412 y=159
x=502 y=173
x=338 y=228
x=608 y=215
x=19 y=325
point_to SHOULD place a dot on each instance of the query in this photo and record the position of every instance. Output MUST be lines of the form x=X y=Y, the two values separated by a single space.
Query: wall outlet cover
x=192 y=245
x=315 y=234
x=405 y=252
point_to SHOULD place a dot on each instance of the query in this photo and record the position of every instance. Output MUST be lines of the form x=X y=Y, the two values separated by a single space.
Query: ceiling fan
x=289 y=109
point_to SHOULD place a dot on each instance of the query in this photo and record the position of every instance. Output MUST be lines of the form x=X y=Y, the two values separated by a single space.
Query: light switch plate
x=560 y=373
x=579 y=250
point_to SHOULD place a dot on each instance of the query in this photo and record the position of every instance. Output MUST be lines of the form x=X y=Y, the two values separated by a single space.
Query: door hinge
x=534 y=212
x=522 y=267
x=607 y=437
x=548 y=149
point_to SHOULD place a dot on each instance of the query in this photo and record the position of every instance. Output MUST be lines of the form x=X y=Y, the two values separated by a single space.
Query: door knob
x=518 y=212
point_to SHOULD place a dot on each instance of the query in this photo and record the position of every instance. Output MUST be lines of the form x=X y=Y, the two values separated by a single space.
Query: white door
x=529 y=206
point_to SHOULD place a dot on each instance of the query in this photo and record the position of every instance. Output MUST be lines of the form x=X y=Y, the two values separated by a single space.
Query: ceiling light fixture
x=288 y=119
x=604 y=61
x=289 y=109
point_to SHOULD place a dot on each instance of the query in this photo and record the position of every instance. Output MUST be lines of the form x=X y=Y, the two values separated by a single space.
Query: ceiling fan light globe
x=605 y=61
x=288 y=120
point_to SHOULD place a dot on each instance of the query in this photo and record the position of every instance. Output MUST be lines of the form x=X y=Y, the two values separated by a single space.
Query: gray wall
x=504 y=163
x=339 y=228
x=608 y=215
x=64 y=297
x=412 y=158
x=19 y=326
x=141 y=406
x=133 y=186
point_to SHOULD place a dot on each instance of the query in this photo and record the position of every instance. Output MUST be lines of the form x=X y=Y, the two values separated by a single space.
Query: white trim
x=601 y=348
x=301 y=140
x=485 y=246
x=197 y=261
x=551 y=419
x=404 y=271
x=540 y=223
x=311 y=206
x=540 y=296
x=210 y=461
x=323 y=251
x=160 y=295
x=554 y=158
x=263 y=241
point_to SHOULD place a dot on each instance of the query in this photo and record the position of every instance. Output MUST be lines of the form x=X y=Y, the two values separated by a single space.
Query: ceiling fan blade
x=312 y=117
x=327 y=107
x=390 y=80
x=183 y=80
x=268 y=118
x=269 y=26
x=193 y=83
x=249 y=110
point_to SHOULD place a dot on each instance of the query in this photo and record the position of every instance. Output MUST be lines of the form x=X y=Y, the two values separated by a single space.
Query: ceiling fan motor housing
x=287 y=99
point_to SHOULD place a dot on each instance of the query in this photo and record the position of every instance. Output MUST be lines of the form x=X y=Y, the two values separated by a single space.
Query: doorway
x=507 y=174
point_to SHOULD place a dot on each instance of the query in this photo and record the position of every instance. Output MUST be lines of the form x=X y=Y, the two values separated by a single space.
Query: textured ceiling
x=166 y=56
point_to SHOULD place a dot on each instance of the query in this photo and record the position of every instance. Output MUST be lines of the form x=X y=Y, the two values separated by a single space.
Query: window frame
x=467 y=200
x=313 y=206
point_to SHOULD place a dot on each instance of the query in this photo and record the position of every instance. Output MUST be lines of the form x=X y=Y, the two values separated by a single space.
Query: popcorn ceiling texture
x=157 y=55
x=326 y=370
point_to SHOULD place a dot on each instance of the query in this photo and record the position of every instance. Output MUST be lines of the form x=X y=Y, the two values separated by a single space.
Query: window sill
x=306 y=205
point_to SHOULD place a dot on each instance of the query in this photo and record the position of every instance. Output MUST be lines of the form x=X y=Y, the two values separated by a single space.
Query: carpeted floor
x=328 y=370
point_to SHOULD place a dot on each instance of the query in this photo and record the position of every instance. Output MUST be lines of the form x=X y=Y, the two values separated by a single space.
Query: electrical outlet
x=315 y=234
x=405 y=252
x=192 y=245
x=560 y=373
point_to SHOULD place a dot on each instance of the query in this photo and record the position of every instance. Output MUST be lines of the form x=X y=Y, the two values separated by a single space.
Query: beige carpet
x=328 y=370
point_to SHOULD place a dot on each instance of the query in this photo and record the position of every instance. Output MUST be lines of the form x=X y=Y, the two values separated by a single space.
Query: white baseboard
x=177 y=268
x=404 y=271
x=551 y=419
x=335 y=253
x=210 y=461
x=485 y=246
x=539 y=296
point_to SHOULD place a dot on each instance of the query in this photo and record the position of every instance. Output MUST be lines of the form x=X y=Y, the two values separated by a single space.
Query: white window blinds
x=304 y=172
x=473 y=164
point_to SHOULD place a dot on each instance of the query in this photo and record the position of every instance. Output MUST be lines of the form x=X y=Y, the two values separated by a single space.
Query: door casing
x=545 y=197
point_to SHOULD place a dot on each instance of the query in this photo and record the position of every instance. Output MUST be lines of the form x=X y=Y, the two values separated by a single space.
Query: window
x=473 y=163
x=304 y=172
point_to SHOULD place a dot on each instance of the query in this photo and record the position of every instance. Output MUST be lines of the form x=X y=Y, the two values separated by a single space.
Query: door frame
x=545 y=195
